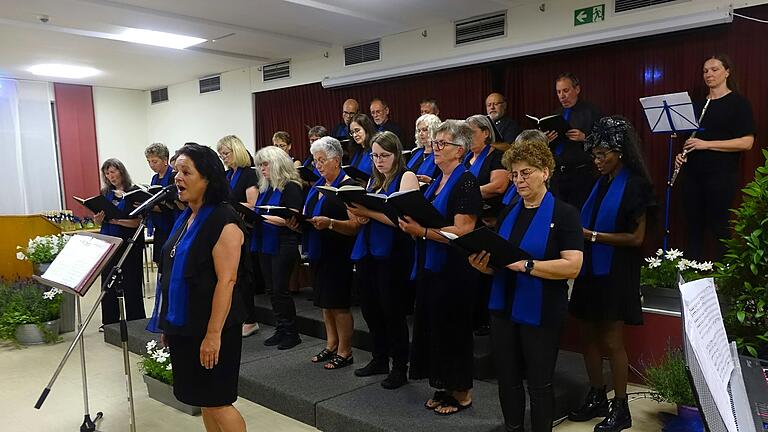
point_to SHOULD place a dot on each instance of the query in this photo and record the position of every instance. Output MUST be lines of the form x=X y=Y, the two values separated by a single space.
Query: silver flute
x=685 y=152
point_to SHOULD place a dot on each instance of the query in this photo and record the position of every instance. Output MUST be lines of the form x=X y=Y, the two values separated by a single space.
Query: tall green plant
x=743 y=273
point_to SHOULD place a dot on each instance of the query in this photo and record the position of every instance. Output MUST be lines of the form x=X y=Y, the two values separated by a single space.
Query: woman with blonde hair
x=275 y=243
x=422 y=161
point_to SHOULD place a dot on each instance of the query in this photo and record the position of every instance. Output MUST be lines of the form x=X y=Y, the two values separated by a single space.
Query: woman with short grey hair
x=329 y=245
x=422 y=161
x=442 y=344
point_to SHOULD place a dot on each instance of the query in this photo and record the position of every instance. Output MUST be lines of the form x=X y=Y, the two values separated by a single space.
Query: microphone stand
x=112 y=283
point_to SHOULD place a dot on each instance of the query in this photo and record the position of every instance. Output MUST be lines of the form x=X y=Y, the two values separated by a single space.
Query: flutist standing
x=711 y=159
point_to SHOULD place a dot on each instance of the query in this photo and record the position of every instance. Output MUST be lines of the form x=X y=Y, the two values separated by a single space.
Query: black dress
x=442 y=348
x=492 y=162
x=193 y=384
x=333 y=268
x=616 y=296
x=132 y=270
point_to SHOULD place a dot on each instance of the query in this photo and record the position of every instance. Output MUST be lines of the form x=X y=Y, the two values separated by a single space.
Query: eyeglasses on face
x=348 y=113
x=439 y=145
x=382 y=156
x=522 y=174
x=320 y=162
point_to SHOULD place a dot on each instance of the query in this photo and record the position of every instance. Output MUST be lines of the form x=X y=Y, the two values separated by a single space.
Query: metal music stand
x=669 y=113
x=112 y=282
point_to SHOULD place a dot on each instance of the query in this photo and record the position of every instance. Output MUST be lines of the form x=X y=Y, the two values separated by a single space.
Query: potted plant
x=158 y=376
x=41 y=251
x=668 y=381
x=659 y=275
x=743 y=272
x=29 y=313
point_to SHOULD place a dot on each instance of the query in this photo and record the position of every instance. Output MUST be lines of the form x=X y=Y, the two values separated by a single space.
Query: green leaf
x=752 y=350
x=740 y=315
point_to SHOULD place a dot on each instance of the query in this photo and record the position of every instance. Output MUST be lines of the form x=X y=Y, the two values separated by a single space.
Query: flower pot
x=30 y=334
x=163 y=393
x=688 y=419
x=40 y=268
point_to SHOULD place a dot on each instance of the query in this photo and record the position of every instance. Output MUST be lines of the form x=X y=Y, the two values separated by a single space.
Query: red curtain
x=460 y=93
x=77 y=143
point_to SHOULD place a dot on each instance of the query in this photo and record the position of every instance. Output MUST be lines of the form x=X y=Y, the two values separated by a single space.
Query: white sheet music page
x=681 y=112
x=76 y=261
x=706 y=332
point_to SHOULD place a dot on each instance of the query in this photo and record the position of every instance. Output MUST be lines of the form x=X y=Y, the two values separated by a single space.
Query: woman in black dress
x=276 y=244
x=244 y=189
x=329 y=245
x=199 y=310
x=442 y=348
x=606 y=295
x=422 y=160
x=712 y=171
x=384 y=255
x=162 y=217
x=115 y=183
x=529 y=297
x=362 y=130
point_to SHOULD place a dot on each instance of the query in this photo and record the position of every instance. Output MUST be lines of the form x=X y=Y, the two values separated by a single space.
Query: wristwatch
x=528 y=266
x=594 y=237
x=330 y=224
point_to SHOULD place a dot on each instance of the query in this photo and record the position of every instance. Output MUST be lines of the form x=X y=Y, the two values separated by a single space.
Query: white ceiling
x=249 y=32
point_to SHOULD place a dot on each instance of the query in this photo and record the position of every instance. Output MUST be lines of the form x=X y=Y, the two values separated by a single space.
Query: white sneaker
x=249 y=329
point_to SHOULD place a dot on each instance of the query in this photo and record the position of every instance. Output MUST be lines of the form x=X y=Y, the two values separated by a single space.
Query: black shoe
x=374 y=367
x=275 y=339
x=595 y=405
x=289 y=341
x=618 y=418
x=396 y=379
x=483 y=331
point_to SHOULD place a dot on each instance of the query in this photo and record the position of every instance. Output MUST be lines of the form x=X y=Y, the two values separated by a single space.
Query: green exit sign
x=589 y=15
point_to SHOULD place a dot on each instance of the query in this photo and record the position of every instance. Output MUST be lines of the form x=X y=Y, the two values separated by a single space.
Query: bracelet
x=330 y=225
x=425 y=233
x=594 y=236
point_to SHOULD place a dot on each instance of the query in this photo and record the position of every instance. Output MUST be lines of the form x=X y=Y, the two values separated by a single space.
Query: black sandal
x=323 y=355
x=451 y=402
x=338 y=362
x=438 y=398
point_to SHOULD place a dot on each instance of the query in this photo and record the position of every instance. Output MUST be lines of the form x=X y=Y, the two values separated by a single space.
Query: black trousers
x=523 y=352
x=382 y=285
x=480 y=315
x=573 y=185
x=132 y=271
x=707 y=198
x=276 y=272
x=256 y=286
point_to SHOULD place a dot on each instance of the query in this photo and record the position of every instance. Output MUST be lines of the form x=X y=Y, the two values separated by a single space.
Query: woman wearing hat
x=606 y=295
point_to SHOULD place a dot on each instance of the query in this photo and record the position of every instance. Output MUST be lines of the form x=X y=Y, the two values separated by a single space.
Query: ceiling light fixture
x=63 y=71
x=157 y=38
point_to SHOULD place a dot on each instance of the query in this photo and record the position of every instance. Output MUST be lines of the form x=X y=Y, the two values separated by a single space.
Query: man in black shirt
x=348 y=110
x=496 y=108
x=574 y=173
x=380 y=116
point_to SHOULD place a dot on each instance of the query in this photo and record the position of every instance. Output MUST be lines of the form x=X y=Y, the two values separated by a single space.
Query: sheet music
x=706 y=333
x=681 y=112
x=77 y=260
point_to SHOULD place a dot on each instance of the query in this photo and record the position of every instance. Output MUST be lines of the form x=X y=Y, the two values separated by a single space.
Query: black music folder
x=282 y=212
x=307 y=173
x=412 y=203
x=484 y=239
x=555 y=123
x=100 y=203
x=249 y=216
x=356 y=174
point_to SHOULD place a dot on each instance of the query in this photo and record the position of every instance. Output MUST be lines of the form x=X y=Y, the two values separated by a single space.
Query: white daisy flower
x=659 y=252
x=673 y=254
x=706 y=266
x=151 y=345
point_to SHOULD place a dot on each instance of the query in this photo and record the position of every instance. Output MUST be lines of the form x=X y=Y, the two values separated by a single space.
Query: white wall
x=121 y=129
x=190 y=116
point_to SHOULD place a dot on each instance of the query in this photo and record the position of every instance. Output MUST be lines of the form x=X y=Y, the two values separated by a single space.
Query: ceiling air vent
x=159 y=95
x=362 y=53
x=210 y=84
x=275 y=71
x=630 y=5
x=481 y=28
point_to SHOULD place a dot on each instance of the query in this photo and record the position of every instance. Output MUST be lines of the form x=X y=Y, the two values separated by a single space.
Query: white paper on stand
x=76 y=260
x=681 y=112
x=706 y=333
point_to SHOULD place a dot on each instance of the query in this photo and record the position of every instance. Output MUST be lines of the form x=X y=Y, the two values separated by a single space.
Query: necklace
x=178 y=240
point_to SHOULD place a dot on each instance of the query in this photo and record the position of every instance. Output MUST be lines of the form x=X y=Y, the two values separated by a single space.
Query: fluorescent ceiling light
x=156 y=38
x=63 y=71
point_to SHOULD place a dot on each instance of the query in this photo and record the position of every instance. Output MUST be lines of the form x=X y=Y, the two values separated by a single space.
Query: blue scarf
x=478 y=165
x=415 y=156
x=528 y=290
x=312 y=242
x=437 y=253
x=362 y=161
x=265 y=236
x=561 y=140
x=233 y=176
x=106 y=227
x=178 y=289
x=428 y=167
x=509 y=195
x=605 y=221
x=375 y=237
x=161 y=220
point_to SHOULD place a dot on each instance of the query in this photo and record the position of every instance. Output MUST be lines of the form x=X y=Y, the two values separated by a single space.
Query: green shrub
x=27 y=302
x=668 y=380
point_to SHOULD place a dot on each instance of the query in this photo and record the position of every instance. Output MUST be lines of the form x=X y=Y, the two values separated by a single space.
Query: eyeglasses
x=348 y=113
x=224 y=155
x=522 y=175
x=425 y=130
x=264 y=164
x=601 y=155
x=377 y=112
x=376 y=156
x=440 y=145
x=320 y=162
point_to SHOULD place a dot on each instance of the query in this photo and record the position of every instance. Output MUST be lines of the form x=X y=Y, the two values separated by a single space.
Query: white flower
x=673 y=254
x=706 y=266
x=20 y=256
x=151 y=345
x=684 y=264
x=168 y=367
x=51 y=293
x=660 y=252
x=653 y=262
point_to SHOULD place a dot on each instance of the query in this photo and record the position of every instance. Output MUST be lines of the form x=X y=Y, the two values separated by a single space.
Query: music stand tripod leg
x=88 y=424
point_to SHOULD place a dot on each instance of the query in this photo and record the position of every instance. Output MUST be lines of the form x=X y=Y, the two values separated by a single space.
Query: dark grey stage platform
x=287 y=382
